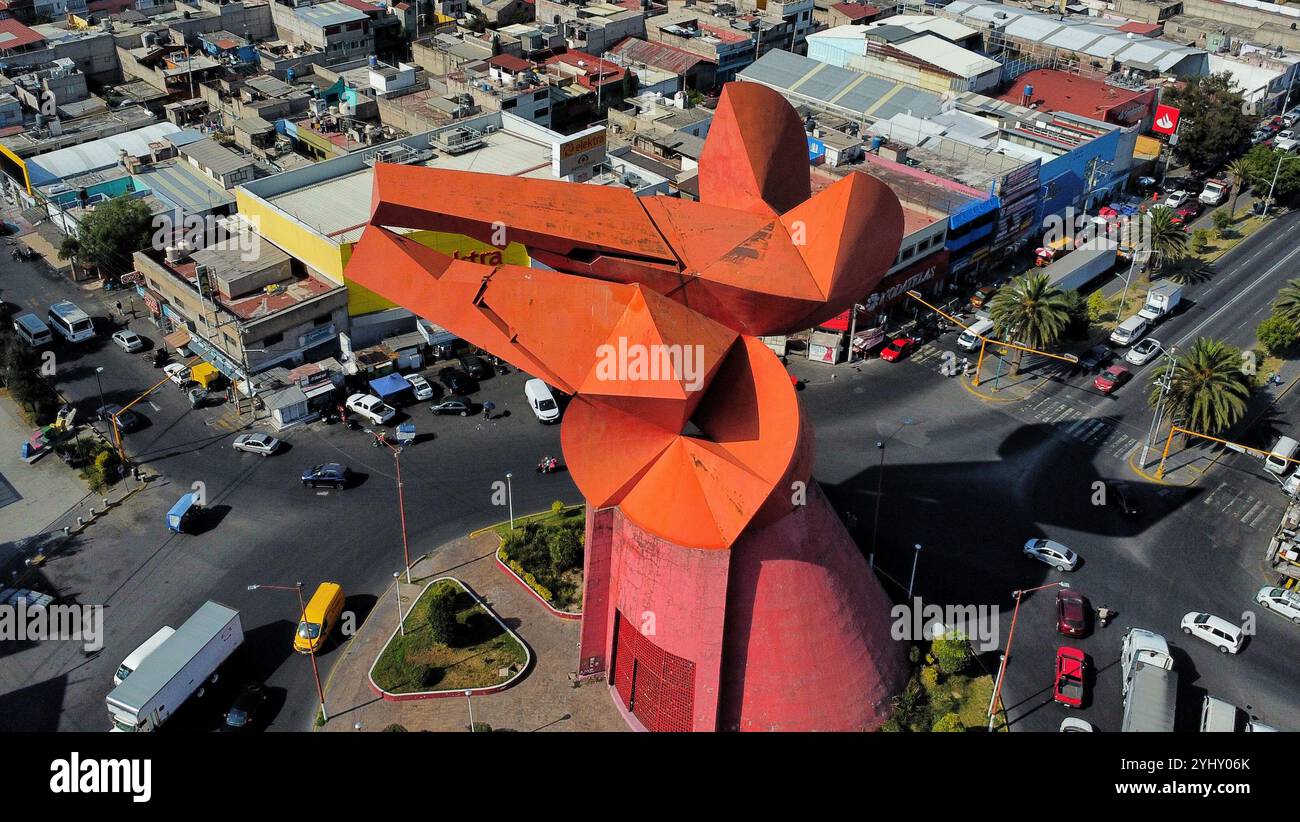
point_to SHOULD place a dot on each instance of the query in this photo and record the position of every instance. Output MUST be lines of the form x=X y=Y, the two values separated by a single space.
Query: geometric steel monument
x=722 y=591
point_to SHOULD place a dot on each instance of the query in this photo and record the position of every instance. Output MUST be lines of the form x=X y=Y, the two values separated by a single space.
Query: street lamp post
x=880 y=480
x=397 y=596
x=510 y=500
x=401 y=502
x=99 y=369
x=1281 y=156
x=911 y=583
x=302 y=610
x=470 y=702
x=1011 y=635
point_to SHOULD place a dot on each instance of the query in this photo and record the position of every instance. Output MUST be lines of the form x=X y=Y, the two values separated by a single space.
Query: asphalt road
x=967 y=480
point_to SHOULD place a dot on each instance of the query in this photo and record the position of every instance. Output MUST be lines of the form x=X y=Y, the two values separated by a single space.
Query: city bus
x=73 y=324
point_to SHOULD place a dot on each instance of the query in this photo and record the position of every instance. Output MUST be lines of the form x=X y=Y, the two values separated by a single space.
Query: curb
x=965 y=383
x=483 y=691
x=496 y=556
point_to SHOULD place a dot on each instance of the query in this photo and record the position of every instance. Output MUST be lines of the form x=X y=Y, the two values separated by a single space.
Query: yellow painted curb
x=1152 y=477
x=965 y=383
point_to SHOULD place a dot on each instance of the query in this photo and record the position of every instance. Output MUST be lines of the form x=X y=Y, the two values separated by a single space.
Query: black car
x=457 y=381
x=476 y=366
x=127 y=421
x=1123 y=497
x=242 y=713
x=452 y=405
x=329 y=475
x=1096 y=357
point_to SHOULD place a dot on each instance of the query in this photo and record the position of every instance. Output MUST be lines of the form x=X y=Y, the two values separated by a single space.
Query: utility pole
x=1158 y=417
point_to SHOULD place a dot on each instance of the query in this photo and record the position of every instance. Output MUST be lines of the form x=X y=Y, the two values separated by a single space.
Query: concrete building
x=592 y=27
x=852 y=14
x=225 y=167
x=1219 y=25
x=244 y=306
x=697 y=72
x=1024 y=40
x=1108 y=100
x=897 y=53
x=664 y=127
x=341 y=33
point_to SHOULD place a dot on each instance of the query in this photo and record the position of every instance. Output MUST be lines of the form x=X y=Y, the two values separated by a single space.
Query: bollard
x=66 y=530
x=79 y=522
x=105 y=503
x=92 y=513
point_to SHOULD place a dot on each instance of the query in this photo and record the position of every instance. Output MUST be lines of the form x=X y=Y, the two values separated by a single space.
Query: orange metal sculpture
x=647 y=312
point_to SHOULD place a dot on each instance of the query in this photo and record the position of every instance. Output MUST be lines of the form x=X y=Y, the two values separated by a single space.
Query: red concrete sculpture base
x=787 y=631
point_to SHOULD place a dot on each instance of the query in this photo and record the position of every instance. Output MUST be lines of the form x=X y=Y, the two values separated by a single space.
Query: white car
x=128 y=341
x=371 y=407
x=1072 y=723
x=1176 y=199
x=1217 y=631
x=263 y=444
x=1053 y=553
x=178 y=373
x=423 y=391
x=1280 y=601
x=1142 y=353
x=1286 y=143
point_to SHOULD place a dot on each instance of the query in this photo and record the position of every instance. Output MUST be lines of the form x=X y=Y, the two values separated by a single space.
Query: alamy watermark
x=192 y=232
x=626 y=361
x=918 y=621
x=20 y=622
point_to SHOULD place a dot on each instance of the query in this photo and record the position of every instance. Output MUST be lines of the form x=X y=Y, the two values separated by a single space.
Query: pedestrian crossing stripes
x=1242 y=506
x=1065 y=422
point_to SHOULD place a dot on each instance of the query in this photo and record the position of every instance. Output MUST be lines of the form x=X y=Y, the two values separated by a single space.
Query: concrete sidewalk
x=545 y=699
x=32 y=497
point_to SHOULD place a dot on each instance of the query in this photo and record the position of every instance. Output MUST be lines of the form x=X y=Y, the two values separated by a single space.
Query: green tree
x=948 y=723
x=1222 y=223
x=1208 y=390
x=1277 y=334
x=565 y=548
x=1213 y=126
x=441 y=617
x=1028 y=311
x=1099 y=307
x=1287 y=303
x=108 y=235
x=1165 y=236
x=1239 y=170
x=952 y=653
x=1264 y=163
x=1200 y=240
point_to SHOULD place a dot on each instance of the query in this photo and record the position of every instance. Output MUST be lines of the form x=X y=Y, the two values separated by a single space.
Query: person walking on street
x=488 y=407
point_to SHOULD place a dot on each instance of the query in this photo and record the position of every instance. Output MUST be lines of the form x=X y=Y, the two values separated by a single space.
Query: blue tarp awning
x=385 y=387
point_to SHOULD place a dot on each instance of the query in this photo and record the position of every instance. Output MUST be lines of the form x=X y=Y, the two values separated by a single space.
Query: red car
x=1112 y=378
x=1071 y=664
x=1189 y=211
x=1071 y=613
x=898 y=348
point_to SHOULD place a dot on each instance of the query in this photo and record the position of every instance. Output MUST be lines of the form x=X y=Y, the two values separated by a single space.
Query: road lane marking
x=1240 y=293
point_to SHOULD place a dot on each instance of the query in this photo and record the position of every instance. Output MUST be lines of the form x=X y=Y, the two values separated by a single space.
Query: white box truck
x=1079 y=268
x=1161 y=301
x=1150 y=685
x=176 y=670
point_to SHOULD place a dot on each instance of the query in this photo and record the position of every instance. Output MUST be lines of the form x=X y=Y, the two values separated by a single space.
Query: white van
x=1276 y=461
x=31 y=330
x=541 y=400
x=1129 y=331
x=1218 y=716
x=970 y=338
x=139 y=655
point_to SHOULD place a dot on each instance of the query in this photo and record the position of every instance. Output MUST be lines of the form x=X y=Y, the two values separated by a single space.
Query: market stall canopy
x=178 y=339
x=385 y=387
x=204 y=374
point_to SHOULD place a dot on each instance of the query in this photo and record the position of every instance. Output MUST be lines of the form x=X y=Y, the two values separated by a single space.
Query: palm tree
x=1164 y=236
x=1030 y=312
x=1208 y=390
x=1288 y=301
x=1240 y=173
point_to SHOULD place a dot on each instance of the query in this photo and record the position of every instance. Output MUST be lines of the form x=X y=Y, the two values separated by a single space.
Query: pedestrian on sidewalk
x=488 y=408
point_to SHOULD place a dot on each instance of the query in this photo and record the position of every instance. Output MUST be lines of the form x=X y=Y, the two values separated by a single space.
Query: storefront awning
x=177 y=339
x=313 y=391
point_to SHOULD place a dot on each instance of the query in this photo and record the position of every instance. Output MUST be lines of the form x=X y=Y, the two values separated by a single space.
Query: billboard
x=1166 y=120
x=585 y=149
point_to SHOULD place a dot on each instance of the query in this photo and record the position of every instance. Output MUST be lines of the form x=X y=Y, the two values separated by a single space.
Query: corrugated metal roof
x=95 y=155
x=215 y=157
x=852 y=91
x=939 y=52
x=189 y=191
x=328 y=14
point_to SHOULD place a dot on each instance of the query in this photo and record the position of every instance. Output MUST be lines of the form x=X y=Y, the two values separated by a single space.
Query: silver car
x=1053 y=553
x=263 y=444
x=128 y=341
x=1142 y=353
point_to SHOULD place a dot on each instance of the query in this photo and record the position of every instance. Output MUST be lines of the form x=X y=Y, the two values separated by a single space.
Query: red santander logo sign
x=1166 y=121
